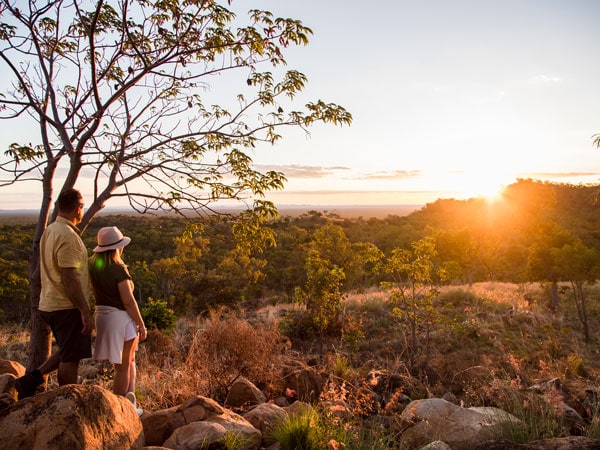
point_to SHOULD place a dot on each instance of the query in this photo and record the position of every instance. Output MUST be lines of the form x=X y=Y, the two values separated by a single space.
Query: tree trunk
x=554 y=298
x=580 y=300
x=40 y=338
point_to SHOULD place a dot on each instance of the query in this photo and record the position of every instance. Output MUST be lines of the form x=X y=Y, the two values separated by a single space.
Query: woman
x=119 y=324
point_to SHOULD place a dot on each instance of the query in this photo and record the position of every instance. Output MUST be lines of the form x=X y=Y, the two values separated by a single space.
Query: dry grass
x=487 y=345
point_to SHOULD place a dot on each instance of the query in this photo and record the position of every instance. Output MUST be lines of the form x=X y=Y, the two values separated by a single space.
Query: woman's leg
x=122 y=371
x=132 y=374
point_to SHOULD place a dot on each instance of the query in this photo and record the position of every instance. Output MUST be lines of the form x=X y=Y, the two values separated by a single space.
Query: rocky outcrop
x=461 y=428
x=159 y=425
x=214 y=433
x=73 y=416
x=90 y=417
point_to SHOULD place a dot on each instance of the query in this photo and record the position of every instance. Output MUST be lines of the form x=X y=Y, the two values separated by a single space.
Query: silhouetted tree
x=119 y=93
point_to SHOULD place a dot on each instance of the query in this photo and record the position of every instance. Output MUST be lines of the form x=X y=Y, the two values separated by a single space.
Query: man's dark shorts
x=66 y=326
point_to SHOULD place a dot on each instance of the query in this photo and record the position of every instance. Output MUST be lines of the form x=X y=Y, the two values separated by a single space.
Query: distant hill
x=344 y=211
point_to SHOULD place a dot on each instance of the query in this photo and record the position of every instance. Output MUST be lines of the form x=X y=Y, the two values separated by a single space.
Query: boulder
x=244 y=393
x=7 y=386
x=298 y=408
x=214 y=432
x=305 y=381
x=436 y=445
x=264 y=417
x=159 y=425
x=12 y=367
x=461 y=428
x=73 y=416
x=182 y=426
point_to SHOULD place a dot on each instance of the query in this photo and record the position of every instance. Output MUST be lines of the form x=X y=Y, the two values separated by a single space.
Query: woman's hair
x=103 y=259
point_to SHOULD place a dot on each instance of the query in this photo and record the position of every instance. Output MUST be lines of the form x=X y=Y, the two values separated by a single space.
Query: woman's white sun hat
x=110 y=238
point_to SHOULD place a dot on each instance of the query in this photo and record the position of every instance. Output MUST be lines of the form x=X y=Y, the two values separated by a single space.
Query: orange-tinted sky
x=449 y=98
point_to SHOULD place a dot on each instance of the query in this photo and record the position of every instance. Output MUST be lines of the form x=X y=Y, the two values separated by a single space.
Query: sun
x=480 y=185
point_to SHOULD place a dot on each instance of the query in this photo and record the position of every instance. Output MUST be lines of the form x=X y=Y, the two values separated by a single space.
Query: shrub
x=157 y=314
x=456 y=297
x=298 y=431
x=229 y=347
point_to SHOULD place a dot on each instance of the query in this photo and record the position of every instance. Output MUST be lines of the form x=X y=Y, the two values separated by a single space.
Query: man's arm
x=70 y=280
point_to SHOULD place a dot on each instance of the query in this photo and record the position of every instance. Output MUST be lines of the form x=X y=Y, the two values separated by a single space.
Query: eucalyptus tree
x=412 y=291
x=580 y=266
x=120 y=95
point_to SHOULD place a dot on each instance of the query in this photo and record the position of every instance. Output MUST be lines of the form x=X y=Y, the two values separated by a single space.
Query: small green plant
x=157 y=314
x=575 y=366
x=537 y=417
x=341 y=366
x=593 y=429
x=299 y=432
x=234 y=441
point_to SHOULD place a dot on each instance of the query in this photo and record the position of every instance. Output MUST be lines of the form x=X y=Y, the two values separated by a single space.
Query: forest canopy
x=527 y=235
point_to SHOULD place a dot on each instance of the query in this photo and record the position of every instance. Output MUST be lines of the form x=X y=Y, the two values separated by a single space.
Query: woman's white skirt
x=113 y=328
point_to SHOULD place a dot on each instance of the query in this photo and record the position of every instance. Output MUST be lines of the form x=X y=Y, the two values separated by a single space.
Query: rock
x=382 y=381
x=281 y=401
x=337 y=408
x=298 y=408
x=436 y=445
x=305 y=381
x=159 y=425
x=199 y=419
x=244 y=393
x=461 y=428
x=565 y=443
x=12 y=367
x=214 y=432
x=368 y=401
x=73 y=416
x=7 y=400
x=264 y=417
x=7 y=386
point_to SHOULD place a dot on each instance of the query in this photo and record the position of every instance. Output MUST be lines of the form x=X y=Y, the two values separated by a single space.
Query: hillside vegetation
x=537 y=232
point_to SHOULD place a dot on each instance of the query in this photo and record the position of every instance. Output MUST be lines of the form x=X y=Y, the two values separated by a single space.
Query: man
x=64 y=299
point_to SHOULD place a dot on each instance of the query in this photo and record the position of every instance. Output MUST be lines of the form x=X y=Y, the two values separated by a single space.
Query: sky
x=450 y=99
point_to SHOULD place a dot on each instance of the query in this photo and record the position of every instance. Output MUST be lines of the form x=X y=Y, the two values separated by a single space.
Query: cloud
x=299 y=171
x=352 y=192
x=555 y=175
x=544 y=79
x=393 y=175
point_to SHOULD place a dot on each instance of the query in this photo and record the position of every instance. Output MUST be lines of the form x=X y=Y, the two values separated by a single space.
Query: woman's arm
x=131 y=306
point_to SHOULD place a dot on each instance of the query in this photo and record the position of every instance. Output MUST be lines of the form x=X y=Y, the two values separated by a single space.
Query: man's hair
x=68 y=200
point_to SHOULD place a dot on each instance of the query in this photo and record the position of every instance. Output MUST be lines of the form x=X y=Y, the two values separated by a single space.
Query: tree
x=322 y=292
x=119 y=94
x=545 y=262
x=579 y=265
x=179 y=275
x=411 y=289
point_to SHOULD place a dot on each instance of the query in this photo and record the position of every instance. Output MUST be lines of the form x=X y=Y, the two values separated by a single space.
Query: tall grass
x=490 y=343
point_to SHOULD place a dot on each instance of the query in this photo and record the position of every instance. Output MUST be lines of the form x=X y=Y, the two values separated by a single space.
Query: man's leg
x=27 y=385
x=51 y=364
x=67 y=373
